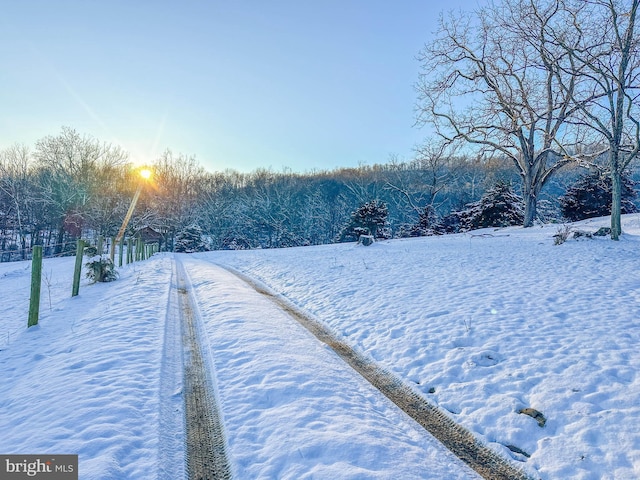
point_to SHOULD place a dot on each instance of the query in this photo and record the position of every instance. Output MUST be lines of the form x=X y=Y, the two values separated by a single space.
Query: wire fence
x=51 y=250
x=13 y=249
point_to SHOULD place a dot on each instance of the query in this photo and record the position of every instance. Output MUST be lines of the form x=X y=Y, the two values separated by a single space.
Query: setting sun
x=145 y=173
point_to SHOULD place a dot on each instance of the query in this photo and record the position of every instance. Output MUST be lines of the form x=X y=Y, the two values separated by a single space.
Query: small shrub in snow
x=101 y=270
x=562 y=235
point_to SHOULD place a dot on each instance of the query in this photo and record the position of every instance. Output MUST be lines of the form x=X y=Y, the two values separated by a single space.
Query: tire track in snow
x=206 y=445
x=172 y=417
x=456 y=438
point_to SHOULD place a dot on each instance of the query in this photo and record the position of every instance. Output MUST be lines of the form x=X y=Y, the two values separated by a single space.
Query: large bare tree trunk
x=616 y=197
x=530 y=209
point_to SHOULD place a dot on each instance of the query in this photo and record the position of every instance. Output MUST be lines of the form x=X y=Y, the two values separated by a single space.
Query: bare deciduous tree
x=16 y=186
x=178 y=180
x=70 y=168
x=607 y=60
x=492 y=80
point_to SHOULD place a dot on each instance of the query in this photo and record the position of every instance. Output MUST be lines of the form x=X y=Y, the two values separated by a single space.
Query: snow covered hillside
x=490 y=322
x=483 y=324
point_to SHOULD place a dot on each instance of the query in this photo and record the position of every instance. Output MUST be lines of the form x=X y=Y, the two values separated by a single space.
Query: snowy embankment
x=482 y=324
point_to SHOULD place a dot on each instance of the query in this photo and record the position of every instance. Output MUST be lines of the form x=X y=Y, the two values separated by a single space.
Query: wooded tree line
x=69 y=185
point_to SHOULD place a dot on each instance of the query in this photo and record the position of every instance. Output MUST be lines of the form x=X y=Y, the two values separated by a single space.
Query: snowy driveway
x=101 y=377
x=291 y=407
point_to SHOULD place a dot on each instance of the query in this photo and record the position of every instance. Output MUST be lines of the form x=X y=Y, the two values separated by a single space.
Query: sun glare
x=145 y=173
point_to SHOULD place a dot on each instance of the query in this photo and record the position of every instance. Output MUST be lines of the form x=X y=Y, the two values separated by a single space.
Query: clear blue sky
x=240 y=84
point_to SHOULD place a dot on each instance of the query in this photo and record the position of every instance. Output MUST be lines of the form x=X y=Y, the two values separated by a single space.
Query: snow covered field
x=483 y=324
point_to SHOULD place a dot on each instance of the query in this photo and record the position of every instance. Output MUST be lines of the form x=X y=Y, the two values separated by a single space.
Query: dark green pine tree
x=368 y=219
x=427 y=224
x=590 y=196
x=190 y=240
x=498 y=207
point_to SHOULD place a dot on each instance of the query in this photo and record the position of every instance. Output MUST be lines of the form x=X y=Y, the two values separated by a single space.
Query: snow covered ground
x=482 y=324
x=291 y=407
x=86 y=379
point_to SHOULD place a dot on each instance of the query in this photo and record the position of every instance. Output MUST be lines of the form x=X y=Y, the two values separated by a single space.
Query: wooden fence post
x=129 y=251
x=78 y=268
x=36 y=278
x=120 y=251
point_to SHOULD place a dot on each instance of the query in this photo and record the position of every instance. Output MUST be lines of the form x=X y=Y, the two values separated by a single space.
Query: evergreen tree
x=498 y=207
x=190 y=240
x=101 y=270
x=427 y=224
x=590 y=196
x=368 y=219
